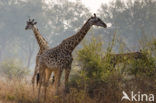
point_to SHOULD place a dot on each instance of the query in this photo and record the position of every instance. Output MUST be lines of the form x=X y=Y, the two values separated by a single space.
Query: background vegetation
x=93 y=79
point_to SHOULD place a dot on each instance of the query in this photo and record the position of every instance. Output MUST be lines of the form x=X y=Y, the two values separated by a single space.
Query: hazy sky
x=93 y=5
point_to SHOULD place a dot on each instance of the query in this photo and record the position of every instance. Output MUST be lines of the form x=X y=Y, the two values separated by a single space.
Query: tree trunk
x=0 y=56
x=30 y=54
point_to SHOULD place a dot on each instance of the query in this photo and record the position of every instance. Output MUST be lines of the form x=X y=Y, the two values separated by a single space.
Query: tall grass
x=21 y=92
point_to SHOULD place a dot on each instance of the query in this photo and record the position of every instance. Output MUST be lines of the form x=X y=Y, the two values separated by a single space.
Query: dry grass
x=14 y=91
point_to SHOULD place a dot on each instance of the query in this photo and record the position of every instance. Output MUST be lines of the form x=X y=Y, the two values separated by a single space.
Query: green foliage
x=144 y=67
x=13 y=69
x=90 y=58
x=98 y=72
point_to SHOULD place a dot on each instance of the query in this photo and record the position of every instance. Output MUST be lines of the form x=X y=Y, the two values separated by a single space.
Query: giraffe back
x=56 y=58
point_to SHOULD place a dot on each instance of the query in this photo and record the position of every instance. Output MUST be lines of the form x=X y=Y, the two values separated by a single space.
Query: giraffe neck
x=43 y=44
x=70 y=43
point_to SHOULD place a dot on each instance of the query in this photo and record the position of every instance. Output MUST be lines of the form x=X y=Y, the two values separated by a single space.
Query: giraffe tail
x=37 y=78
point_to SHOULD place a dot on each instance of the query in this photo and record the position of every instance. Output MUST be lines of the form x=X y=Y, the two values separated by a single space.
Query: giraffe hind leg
x=41 y=80
x=37 y=78
x=39 y=88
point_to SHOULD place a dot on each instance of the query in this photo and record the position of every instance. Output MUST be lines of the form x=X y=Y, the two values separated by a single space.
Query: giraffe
x=60 y=57
x=43 y=44
x=124 y=57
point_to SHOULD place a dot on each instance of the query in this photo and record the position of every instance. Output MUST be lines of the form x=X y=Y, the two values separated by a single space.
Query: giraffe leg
x=33 y=78
x=57 y=80
x=42 y=74
x=53 y=79
x=47 y=77
x=39 y=88
x=54 y=84
x=67 y=72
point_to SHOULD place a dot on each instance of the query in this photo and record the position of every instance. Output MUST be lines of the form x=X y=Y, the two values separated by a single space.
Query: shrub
x=91 y=62
x=101 y=80
x=13 y=69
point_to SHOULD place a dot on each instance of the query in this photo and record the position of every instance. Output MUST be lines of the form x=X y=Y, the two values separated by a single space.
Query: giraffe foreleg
x=57 y=75
x=46 y=81
x=67 y=72
x=34 y=75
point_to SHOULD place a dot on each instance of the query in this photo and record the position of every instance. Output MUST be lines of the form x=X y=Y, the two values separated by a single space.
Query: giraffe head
x=97 y=21
x=30 y=24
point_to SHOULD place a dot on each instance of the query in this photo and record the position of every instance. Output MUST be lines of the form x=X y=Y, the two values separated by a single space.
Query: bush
x=90 y=59
x=13 y=69
x=101 y=80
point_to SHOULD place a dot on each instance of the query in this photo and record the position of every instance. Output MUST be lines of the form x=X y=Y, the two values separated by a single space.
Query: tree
x=13 y=69
x=65 y=19
x=131 y=20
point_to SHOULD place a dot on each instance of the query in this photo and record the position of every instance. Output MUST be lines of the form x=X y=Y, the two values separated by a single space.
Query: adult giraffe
x=43 y=44
x=60 y=57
